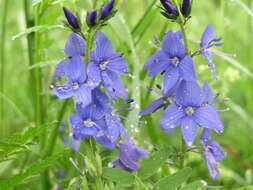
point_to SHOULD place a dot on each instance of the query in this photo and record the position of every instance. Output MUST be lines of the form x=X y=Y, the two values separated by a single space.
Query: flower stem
x=182 y=156
x=182 y=22
x=2 y=55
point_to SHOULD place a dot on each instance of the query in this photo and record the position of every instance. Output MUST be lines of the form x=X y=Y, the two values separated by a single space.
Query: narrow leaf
x=30 y=133
x=246 y=188
x=196 y=185
x=150 y=165
x=172 y=182
x=42 y=28
x=119 y=176
x=35 y=169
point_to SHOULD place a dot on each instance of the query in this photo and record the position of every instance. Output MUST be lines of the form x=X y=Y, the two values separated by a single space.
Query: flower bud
x=107 y=9
x=91 y=18
x=170 y=9
x=72 y=20
x=186 y=8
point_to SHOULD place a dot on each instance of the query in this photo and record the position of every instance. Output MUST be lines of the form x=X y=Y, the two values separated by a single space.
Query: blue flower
x=191 y=108
x=107 y=9
x=213 y=153
x=91 y=18
x=105 y=65
x=129 y=156
x=73 y=68
x=89 y=121
x=173 y=60
x=72 y=20
x=208 y=40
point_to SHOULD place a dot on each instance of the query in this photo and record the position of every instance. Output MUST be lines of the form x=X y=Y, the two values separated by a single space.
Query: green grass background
x=233 y=21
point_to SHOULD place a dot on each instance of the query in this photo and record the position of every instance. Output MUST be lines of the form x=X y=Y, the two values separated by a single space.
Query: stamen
x=189 y=110
x=88 y=123
x=155 y=91
x=175 y=61
x=224 y=110
x=103 y=65
x=132 y=120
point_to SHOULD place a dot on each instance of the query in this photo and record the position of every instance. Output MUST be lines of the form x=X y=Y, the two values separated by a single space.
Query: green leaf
x=42 y=28
x=246 y=188
x=30 y=133
x=119 y=176
x=35 y=169
x=173 y=181
x=196 y=185
x=150 y=165
x=75 y=183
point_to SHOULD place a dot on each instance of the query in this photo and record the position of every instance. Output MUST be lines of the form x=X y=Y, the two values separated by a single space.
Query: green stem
x=53 y=136
x=182 y=22
x=2 y=55
x=182 y=156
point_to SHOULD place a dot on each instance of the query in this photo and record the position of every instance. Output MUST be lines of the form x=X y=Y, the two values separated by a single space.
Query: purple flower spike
x=72 y=20
x=173 y=61
x=170 y=9
x=208 y=40
x=91 y=18
x=105 y=66
x=189 y=110
x=129 y=156
x=213 y=153
x=107 y=9
x=186 y=7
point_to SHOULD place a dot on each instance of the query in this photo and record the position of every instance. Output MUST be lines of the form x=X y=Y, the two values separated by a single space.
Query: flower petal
x=189 y=130
x=208 y=95
x=153 y=106
x=94 y=73
x=75 y=45
x=60 y=69
x=189 y=93
x=171 y=78
x=157 y=58
x=173 y=45
x=83 y=95
x=113 y=84
x=205 y=137
x=207 y=36
x=63 y=92
x=187 y=69
x=117 y=64
x=172 y=117
x=208 y=56
x=114 y=125
x=207 y=117
x=103 y=45
x=75 y=70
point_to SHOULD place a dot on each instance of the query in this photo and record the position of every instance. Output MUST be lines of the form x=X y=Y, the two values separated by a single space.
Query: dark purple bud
x=130 y=101
x=107 y=9
x=91 y=18
x=186 y=7
x=72 y=20
x=169 y=7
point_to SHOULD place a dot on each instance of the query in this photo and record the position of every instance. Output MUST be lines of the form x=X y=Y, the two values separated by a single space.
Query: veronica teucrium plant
x=92 y=73
x=185 y=103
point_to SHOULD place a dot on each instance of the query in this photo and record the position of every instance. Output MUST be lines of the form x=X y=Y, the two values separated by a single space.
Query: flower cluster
x=185 y=102
x=88 y=83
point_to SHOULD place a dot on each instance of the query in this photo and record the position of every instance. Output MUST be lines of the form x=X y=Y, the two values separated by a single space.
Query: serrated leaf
x=150 y=165
x=35 y=169
x=30 y=133
x=119 y=176
x=196 y=185
x=246 y=188
x=172 y=182
x=41 y=28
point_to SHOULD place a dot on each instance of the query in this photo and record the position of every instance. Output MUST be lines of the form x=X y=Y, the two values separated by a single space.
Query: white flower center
x=175 y=61
x=88 y=123
x=103 y=65
x=189 y=110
